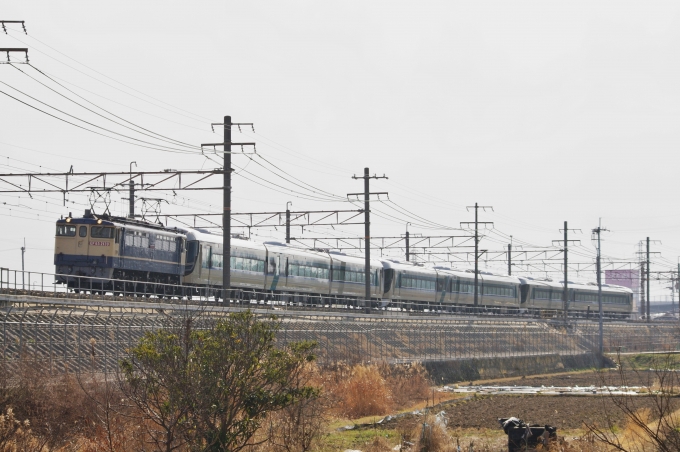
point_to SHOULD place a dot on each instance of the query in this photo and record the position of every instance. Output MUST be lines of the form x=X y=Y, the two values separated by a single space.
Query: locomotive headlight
x=99 y=221
x=68 y=220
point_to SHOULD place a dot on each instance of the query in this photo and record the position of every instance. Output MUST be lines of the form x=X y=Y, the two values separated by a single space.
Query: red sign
x=625 y=278
x=100 y=243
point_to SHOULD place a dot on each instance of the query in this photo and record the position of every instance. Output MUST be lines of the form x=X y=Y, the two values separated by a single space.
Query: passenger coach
x=545 y=296
x=107 y=254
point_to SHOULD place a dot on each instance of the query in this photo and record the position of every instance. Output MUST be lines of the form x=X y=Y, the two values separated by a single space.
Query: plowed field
x=565 y=412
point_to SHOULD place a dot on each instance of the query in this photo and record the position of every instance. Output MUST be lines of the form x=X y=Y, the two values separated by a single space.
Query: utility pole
x=642 y=286
x=132 y=192
x=510 y=257
x=407 y=243
x=23 y=250
x=477 y=254
x=598 y=231
x=565 y=291
x=226 y=199
x=565 y=295
x=672 y=293
x=646 y=277
x=649 y=276
x=367 y=229
x=226 y=213
x=288 y=222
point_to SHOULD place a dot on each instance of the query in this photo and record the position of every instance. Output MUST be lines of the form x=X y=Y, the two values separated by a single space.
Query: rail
x=91 y=288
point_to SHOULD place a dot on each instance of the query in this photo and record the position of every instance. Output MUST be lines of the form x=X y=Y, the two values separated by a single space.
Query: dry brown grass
x=432 y=436
x=408 y=383
x=55 y=406
x=373 y=390
x=378 y=444
x=364 y=393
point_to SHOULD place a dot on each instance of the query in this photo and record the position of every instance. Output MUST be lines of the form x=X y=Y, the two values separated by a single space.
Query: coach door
x=83 y=241
x=204 y=272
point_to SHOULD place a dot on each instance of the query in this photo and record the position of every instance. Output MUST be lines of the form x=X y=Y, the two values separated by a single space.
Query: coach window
x=100 y=232
x=82 y=231
x=217 y=261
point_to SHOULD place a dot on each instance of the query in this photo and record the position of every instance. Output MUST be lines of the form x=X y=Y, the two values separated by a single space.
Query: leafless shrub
x=57 y=410
x=297 y=427
x=432 y=436
x=363 y=393
x=408 y=383
x=654 y=428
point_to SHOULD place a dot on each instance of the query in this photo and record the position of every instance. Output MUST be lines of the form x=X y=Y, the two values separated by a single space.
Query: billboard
x=625 y=278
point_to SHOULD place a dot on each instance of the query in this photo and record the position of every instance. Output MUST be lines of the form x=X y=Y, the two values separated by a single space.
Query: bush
x=364 y=393
x=57 y=410
x=432 y=436
x=409 y=383
x=212 y=387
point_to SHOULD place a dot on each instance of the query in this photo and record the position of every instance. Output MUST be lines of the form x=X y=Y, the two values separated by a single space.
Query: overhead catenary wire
x=63 y=81
x=57 y=155
x=108 y=84
x=196 y=149
x=144 y=131
x=164 y=149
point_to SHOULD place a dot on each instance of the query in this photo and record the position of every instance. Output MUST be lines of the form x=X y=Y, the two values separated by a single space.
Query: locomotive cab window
x=66 y=230
x=101 y=232
x=82 y=231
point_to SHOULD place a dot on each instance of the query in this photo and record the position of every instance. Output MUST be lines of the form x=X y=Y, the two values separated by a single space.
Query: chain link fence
x=85 y=337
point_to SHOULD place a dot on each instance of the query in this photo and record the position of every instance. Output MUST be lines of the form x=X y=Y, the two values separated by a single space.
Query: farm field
x=474 y=418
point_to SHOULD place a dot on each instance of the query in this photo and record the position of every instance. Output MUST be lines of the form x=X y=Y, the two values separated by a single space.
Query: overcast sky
x=546 y=112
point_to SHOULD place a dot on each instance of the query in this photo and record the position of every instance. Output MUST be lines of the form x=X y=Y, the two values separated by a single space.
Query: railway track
x=155 y=303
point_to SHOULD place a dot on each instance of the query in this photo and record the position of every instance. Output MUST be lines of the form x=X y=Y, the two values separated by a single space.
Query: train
x=106 y=254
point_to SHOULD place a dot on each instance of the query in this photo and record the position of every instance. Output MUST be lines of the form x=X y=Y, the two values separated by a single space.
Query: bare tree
x=654 y=425
x=297 y=426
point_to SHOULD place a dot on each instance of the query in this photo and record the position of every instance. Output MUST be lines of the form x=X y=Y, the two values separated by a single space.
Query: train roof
x=354 y=260
x=407 y=266
x=204 y=236
x=592 y=287
x=279 y=247
x=128 y=223
x=577 y=285
x=483 y=275
x=540 y=282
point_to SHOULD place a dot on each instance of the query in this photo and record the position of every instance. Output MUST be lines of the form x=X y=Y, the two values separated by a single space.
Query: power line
x=85 y=128
x=150 y=134
x=107 y=84
x=161 y=147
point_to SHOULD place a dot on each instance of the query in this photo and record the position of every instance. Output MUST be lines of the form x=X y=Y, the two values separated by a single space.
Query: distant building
x=625 y=278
